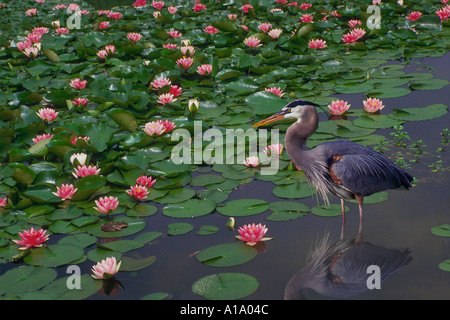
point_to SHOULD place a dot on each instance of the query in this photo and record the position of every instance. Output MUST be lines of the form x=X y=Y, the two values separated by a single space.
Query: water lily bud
x=185 y=43
x=231 y=223
x=193 y=105
x=80 y=159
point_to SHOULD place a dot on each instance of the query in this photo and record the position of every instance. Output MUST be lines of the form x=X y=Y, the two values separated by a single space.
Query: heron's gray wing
x=367 y=172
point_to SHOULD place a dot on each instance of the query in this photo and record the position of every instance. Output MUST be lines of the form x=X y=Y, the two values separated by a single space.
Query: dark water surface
x=402 y=221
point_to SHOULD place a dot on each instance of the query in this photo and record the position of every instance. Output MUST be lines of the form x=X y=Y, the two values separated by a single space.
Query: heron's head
x=297 y=109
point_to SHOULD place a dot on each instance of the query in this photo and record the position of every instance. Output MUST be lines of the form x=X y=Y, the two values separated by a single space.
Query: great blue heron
x=343 y=168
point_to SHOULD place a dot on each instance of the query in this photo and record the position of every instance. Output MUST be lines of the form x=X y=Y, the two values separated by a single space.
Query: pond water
x=402 y=222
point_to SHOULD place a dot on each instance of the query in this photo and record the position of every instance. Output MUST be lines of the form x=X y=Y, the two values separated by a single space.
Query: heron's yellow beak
x=277 y=116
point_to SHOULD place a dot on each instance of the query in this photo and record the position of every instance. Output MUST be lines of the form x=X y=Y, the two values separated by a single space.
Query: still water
x=402 y=222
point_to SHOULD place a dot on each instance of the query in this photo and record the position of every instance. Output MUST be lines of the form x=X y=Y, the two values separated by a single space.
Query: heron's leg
x=360 y=200
x=343 y=218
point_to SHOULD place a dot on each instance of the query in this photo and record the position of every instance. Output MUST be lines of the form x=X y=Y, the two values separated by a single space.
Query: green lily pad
x=225 y=286
x=294 y=191
x=441 y=231
x=207 y=230
x=134 y=264
x=134 y=226
x=123 y=118
x=332 y=210
x=418 y=114
x=179 y=228
x=243 y=207
x=59 y=290
x=54 y=255
x=26 y=278
x=445 y=265
x=189 y=209
x=376 y=122
x=226 y=255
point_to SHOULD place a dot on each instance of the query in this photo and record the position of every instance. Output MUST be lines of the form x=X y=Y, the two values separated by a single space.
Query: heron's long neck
x=296 y=137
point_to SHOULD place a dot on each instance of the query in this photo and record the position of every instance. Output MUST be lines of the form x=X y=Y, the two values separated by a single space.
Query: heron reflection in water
x=340 y=269
x=343 y=168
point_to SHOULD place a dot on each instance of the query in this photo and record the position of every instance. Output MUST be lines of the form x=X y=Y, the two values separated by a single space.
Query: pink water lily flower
x=80 y=102
x=338 y=107
x=78 y=83
x=48 y=114
x=275 y=33
x=185 y=63
x=443 y=13
x=138 y=192
x=275 y=90
x=317 y=44
x=31 y=52
x=22 y=45
x=306 y=18
x=106 y=204
x=41 y=137
x=204 y=69
x=134 y=37
x=354 y=23
x=34 y=37
x=252 y=233
x=75 y=139
x=175 y=91
x=146 y=181
x=103 y=25
x=158 y=4
x=198 y=7
x=158 y=127
x=265 y=27
x=83 y=171
x=62 y=30
x=276 y=149
x=174 y=33
x=3 y=202
x=159 y=83
x=172 y=10
x=187 y=51
x=373 y=105
x=31 y=12
x=413 y=16
x=139 y=3
x=252 y=161
x=353 y=35
x=211 y=30
x=166 y=98
x=110 y=49
x=31 y=238
x=252 y=42
x=105 y=268
x=246 y=7
x=65 y=192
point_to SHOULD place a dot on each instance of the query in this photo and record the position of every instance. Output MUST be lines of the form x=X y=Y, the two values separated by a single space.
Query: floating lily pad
x=328 y=211
x=441 y=231
x=54 y=255
x=134 y=226
x=225 y=286
x=207 y=230
x=418 y=114
x=179 y=228
x=243 y=207
x=294 y=191
x=225 y=255
x=26 y=278
x=189 y=209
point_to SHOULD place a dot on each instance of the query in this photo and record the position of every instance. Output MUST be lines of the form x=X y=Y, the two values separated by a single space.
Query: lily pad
x=189 y=209
x=26 y=278
x=418 y=114
x=179 y=228
x=441 y=230
x=54 y=255
x=332 y=210
x=226 y=255
x=243 y=207
x=225 y=286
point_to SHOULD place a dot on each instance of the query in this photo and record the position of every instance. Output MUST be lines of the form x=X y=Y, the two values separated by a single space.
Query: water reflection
x=340 y=269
